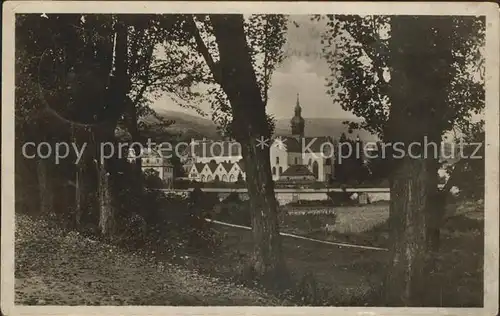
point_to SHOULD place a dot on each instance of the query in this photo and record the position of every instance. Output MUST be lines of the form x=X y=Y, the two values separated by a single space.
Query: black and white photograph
x=177 y=158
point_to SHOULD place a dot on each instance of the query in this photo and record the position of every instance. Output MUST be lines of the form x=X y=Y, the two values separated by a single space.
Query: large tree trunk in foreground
x=237 y=77
x=119 y=88
x=405 y=280
x=416 y=82
x=436 y=207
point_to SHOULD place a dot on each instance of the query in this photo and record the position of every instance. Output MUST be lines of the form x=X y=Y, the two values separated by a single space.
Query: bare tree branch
x=203 y=50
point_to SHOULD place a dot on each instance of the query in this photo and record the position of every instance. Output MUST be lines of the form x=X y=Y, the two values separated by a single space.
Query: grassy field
x=352 y=275
x=63 y=268
x=352 y=224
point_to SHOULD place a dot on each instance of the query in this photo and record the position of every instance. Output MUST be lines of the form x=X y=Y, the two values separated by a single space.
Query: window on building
x=296 y=160
x=277 y=160
x=274 y=170
x=280 y=170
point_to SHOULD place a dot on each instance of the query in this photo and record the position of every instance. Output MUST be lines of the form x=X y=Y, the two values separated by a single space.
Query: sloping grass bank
x=56 y=267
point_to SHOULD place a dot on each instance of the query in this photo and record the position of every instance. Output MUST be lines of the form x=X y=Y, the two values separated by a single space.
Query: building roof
x=209 y=148
x=307 y=144
x=199 y=167
x=227 y=166
x=297 y=170
x=213 y=166
x=150 y=153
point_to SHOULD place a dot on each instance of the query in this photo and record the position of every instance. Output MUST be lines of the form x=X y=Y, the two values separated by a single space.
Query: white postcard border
x=491 y=266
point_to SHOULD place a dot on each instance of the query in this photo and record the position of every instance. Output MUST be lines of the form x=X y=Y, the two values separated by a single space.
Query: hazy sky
x=303 y=72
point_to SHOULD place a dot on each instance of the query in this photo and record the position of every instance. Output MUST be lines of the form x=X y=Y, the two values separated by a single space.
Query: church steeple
x=298 y=109
x=297 y=122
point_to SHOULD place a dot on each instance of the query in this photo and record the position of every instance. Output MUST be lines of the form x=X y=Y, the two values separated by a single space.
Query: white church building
x=293 y=157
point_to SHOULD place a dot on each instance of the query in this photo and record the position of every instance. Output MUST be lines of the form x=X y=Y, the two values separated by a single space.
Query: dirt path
x=54 y=268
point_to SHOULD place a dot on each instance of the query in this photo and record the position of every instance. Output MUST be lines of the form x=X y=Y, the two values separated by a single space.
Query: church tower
x=297 y=122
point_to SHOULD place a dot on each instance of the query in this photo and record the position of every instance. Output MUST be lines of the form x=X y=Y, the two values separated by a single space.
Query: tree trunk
x=414 y=179
x=86 y=185
x=136 y=137
x=237 y=77
x=268 y=260
x=106 y=205
x=45 y=185
x=26 y=186
x=120 y=87
x=405 y=280
x=436 y=207
x=105 y=174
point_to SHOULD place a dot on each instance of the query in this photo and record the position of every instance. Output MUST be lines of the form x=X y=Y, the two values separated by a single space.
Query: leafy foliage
x=152 y=179
x=357 y=49
x=468 y=174
x=349 y=163
x=265 y=36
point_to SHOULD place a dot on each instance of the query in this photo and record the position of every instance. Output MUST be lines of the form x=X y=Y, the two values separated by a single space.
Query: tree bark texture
x=120 y=87
x=416 y=99
x=237 y=77
x=86 y=183
x=46 y=185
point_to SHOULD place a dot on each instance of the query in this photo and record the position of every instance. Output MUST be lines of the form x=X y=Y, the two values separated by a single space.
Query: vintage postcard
x=250 y=158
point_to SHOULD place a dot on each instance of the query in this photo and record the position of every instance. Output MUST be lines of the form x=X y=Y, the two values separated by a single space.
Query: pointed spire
x=298 y=109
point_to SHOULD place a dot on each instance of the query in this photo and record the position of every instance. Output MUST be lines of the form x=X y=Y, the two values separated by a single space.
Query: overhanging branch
x=203 y=50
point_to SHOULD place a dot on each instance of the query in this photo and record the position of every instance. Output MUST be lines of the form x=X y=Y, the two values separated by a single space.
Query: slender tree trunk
x=45 y=185
x=237 y=78
x=136 y=137
x=105 y=174
x=86 y=186
x=26 y=186
x=106 y=205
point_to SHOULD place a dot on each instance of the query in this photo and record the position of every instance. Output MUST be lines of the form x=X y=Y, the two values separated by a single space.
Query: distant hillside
x=194 y=126
x=187 y=126
x=324 y=127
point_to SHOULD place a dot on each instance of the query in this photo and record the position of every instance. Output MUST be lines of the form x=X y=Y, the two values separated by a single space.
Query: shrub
x=234 y=212
x=341 y=198
x=169 y=223
x=152 y=179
